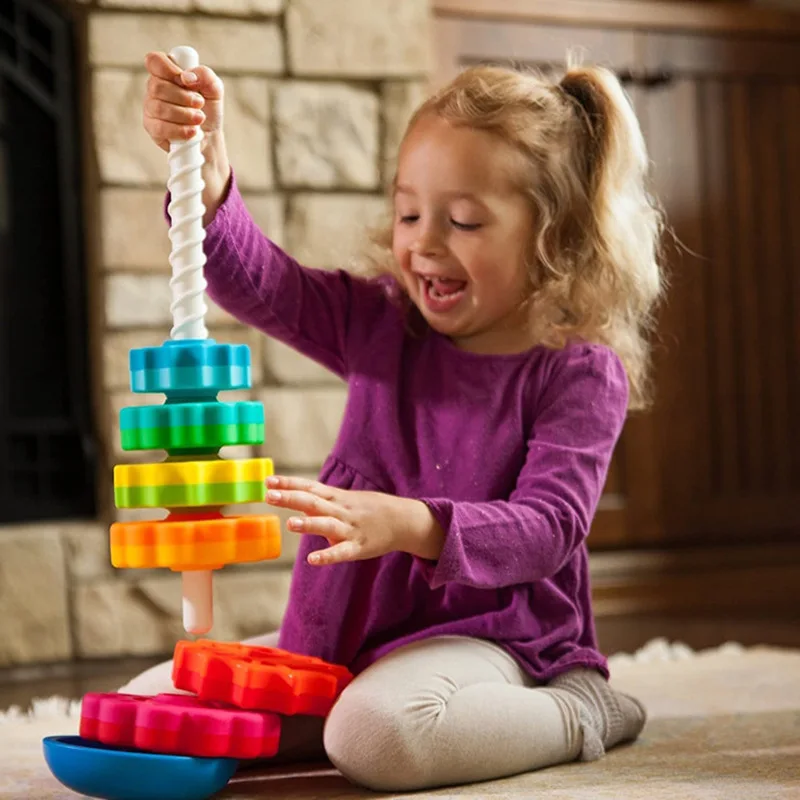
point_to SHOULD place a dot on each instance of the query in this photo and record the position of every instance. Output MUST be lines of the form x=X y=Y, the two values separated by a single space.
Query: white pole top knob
x=185 y=57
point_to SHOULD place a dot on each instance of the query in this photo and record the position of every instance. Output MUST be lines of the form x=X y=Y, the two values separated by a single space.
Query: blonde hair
x=594 y=264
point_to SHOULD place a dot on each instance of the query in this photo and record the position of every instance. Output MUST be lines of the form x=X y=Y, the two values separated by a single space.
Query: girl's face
x=461 y=230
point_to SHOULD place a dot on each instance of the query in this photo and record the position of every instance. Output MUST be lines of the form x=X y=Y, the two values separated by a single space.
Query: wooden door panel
x=726 y=156
x=680 y=377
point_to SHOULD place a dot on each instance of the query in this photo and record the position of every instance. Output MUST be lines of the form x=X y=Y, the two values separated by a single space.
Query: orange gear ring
x=263 y=678
x=195 y=544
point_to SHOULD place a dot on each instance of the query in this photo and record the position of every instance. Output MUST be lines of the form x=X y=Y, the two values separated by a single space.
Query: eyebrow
x=402 y=189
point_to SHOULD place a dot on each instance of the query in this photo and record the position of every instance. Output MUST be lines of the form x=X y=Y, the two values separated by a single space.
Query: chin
x=446 y=327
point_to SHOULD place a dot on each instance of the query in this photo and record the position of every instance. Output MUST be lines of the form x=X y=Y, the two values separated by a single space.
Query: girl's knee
x=156 y=680
x=372 y=741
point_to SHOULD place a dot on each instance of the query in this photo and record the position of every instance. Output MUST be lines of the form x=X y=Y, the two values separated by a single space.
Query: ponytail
x=624 y=226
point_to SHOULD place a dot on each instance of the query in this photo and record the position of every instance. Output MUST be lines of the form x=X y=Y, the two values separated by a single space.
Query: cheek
x=479 y=258
x=499 y=272
x=400 y=245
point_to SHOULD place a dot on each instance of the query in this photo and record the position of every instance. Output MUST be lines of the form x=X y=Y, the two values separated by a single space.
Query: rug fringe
x=661 y=649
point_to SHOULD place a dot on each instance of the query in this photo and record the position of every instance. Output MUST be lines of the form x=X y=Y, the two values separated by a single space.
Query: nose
x=429 y=241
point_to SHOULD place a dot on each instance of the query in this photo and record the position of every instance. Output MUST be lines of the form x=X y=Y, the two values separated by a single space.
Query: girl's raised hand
x=177 y=101
x=357 y=524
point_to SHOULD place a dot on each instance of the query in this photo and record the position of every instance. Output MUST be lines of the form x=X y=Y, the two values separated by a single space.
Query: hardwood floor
x=20 y=686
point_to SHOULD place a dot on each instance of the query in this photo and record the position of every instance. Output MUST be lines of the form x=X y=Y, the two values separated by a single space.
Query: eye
x=408 y=219
x=465 y=226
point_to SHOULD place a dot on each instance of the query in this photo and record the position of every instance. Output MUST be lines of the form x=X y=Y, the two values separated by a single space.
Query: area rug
x=724 y=724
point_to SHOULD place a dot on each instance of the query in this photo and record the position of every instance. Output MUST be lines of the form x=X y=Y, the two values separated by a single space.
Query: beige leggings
x=443 y=711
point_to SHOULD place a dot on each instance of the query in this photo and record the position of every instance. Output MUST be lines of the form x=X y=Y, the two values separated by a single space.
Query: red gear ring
x=262 y=678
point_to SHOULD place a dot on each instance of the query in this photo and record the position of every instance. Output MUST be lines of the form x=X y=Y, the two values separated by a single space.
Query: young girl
x=490 y=370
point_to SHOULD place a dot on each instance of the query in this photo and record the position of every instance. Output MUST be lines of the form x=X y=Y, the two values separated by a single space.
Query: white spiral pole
x=188 y=286
x=186 y=231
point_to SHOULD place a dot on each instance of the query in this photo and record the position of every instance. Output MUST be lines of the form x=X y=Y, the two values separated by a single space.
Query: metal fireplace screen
x=47 y=462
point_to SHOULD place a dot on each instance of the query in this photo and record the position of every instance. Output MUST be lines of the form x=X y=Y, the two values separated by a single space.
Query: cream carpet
x=724 y=725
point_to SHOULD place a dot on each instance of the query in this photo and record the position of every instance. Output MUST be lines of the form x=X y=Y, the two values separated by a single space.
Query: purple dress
x=510 y=452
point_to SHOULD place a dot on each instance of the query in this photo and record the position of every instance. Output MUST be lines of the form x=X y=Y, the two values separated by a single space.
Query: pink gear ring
x=178 y=724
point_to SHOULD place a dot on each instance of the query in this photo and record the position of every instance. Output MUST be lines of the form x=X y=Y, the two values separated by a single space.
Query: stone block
x=34 y=623
x=232 y=7
x=360 y=38
x=268 y=8
x=122 y=618
x=125 y=153
x=120 y=39
x=247 y=131
x=332 y=230
x=301 y=425
x=143 y=617
x=283 y=364
x=133 y=230
x=148 y=5
x=400 y=100
x=326 y=135
x=87 y=550
x=143 y=300
x=118 y=344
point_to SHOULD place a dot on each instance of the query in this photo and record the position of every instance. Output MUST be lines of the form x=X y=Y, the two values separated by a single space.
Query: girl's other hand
x=178 y=101
x=357 y=524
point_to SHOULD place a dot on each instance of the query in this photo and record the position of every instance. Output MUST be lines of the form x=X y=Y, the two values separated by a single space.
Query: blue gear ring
x=190 y=369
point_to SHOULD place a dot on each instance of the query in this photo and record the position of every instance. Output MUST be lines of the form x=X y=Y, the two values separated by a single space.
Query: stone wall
x=318 y=92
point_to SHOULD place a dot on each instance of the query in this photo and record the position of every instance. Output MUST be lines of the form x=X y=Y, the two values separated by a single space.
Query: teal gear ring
x=190 y=369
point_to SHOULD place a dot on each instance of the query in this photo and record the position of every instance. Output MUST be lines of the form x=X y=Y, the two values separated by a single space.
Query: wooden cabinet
x=725 y=140
x=717 y=459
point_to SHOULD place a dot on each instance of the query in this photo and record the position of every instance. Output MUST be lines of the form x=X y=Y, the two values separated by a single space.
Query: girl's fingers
x=165 y=132
x=159 y=89
x=302 y=484
x=168 y=112
x=334 y=530
x=207 y=82
x=304 y=502
x=339 y=553
x=200 y=79
x=162 y=66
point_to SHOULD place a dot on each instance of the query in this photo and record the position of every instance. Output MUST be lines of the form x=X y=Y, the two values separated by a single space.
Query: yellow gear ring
x=176 y=484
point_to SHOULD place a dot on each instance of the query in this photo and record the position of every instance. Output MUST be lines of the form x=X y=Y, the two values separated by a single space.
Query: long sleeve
x=254 y=280
x=531 y=535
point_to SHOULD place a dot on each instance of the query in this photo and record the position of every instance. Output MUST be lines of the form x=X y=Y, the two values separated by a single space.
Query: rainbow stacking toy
x=188 y=746
x=191 y=425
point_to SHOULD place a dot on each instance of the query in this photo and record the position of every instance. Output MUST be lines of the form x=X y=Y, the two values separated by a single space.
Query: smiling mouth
x=442 y=287
x=441 y=294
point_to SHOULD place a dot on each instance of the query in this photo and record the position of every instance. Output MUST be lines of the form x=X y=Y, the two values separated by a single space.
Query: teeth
x=435 y=292
x=432 y=288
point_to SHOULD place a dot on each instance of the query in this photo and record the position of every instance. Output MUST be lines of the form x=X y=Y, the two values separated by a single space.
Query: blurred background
x=697 y=538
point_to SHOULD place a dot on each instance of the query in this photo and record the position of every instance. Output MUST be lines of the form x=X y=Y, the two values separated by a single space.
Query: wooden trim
x=745 y=580
x=722 y=57
x=473 y=40
x=714 y=17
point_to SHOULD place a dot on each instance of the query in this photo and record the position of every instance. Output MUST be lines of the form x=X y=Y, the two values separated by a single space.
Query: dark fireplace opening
x=47 y=442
